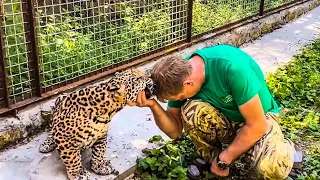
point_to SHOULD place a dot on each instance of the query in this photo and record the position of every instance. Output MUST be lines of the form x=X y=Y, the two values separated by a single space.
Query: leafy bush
x=275 y=3
x=65 y=51
x=169 y=162
x=298 y=83
x=296 y=87
x=312 y=164
x=213 y=14
x=17 y=61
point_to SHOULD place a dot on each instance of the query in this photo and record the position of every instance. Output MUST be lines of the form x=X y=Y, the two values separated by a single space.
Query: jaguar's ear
x=113 y=87
x=148 y=73
x=118 y=73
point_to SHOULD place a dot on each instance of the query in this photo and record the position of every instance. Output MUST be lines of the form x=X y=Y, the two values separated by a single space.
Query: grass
x=296 y=88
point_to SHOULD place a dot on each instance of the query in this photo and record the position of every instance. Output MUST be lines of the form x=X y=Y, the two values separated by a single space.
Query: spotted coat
x=80 y=120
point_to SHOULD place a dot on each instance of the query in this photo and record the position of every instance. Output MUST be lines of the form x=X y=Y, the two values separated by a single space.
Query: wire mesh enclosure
x=78 y=36
x=46 y=44
x=270 y=4
x=19 y=67
x=211 y=14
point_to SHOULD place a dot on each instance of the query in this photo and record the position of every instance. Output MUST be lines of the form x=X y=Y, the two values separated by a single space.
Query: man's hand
x=217 y=171
x=142 y=101
x=255 y=127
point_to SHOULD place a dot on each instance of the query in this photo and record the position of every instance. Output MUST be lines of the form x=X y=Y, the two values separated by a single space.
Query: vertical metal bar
x=261 y=7
x=31 y=36
x=3 y=63
x=189 y=20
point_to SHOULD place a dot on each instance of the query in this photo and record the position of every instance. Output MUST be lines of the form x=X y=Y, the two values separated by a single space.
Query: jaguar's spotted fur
x=81 y=118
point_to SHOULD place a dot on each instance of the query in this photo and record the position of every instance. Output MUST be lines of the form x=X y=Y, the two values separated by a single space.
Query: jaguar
x=80 y=120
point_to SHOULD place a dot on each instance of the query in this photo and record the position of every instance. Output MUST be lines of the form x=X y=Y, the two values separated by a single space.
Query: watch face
x=222 y=165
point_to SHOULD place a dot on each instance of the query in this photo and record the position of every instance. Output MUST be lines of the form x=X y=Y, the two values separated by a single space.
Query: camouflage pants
x=272 y=156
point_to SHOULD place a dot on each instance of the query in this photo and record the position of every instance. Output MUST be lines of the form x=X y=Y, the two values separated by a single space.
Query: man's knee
x=273 y=153
x=193 y=109
x=206 y=118
x=276 y=166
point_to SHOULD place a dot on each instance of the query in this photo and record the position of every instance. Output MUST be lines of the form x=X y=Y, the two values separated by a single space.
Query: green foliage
x=67 y=52
x=312 y=163
x=156 y=138
x=298 y=83
x=15 y=50
x=296 y=87
x=214 y=14
x=70 y=47
x=168 y=162
x=275 y=3
x=299 y=122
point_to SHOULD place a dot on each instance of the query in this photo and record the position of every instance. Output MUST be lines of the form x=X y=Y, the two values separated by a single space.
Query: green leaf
x=313 y=127
x=156 y=138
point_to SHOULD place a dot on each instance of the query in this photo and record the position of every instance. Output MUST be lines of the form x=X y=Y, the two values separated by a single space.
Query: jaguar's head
x=133 y=81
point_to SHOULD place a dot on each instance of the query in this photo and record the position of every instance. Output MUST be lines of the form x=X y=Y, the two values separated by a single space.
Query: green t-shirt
x=232 y=78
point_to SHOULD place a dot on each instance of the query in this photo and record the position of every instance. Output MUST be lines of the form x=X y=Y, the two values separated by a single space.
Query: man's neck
x=198 y=68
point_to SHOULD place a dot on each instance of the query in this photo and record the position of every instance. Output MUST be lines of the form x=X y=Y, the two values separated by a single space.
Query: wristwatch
x=221 y=164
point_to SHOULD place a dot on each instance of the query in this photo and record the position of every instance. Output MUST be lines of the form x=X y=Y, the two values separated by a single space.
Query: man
x=219 y=95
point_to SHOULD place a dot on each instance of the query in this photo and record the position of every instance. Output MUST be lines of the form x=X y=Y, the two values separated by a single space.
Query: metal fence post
x=189 y=20
x=261 y=10
x=32 y=44
x=3 y=65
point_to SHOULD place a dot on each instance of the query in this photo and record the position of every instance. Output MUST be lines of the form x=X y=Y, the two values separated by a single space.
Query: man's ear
x=188 y=82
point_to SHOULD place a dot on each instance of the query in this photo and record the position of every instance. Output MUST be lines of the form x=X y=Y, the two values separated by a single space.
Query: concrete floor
x=133 y=126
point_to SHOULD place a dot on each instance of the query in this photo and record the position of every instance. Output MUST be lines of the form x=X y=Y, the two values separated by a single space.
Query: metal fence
x=48 y=44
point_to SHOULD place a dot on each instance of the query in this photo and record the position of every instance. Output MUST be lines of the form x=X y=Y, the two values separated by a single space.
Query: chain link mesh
x=211 y=14
x=270 y=4
x=79 y=37
x=18 y=70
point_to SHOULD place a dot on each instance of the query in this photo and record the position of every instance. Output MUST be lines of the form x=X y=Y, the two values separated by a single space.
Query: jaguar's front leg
x=98 y=163
x=48 y=144
x=72 y=160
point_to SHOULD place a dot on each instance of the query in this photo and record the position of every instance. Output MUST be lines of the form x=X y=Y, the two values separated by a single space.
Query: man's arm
x=254 y=128
x=168 y=121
